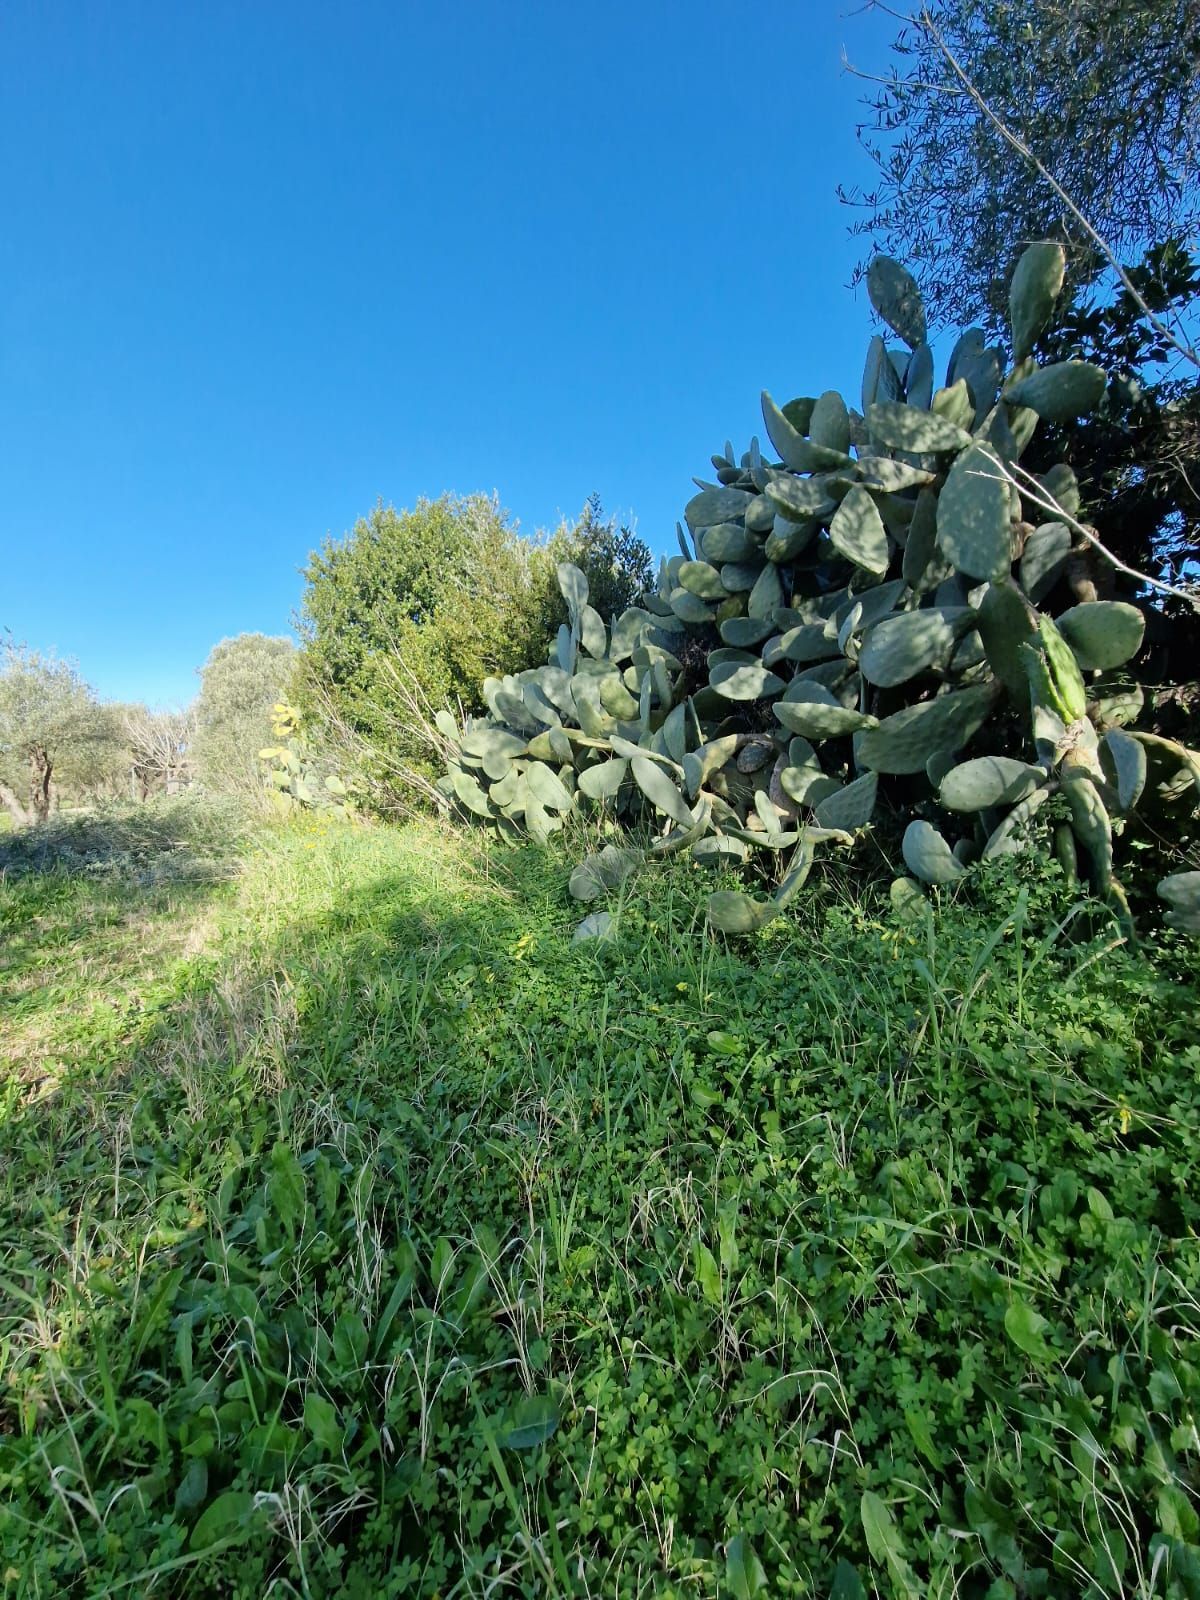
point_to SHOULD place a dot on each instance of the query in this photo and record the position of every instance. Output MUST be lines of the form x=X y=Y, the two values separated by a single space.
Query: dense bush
x=413 y=609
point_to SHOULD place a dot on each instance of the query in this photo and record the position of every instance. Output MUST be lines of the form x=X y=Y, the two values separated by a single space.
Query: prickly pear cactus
x=872 y=616
x=292 y=783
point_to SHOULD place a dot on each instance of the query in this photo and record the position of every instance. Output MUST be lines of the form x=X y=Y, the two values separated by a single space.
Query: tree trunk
x=41 y=770
x=13 y=806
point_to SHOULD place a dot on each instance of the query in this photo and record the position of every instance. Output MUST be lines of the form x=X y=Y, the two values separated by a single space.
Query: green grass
x=365 y=1237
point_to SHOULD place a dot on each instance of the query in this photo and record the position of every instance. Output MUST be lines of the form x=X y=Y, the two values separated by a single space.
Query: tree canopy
x=239 y=683
x=53 y=731
x=1104 y=93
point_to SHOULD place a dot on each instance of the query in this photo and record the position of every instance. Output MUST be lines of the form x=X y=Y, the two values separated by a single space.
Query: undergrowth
x=402 y=1247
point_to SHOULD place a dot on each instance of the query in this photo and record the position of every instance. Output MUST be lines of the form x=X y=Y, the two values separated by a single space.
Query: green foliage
x=240 y=682
x=389 y=1242
x=857 y=636
x=55 y=735
x=413 y=609
x=1106 y=96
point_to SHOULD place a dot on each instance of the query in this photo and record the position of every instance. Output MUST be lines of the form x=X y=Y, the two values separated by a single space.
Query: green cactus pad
x=739 y=577
x=852 y=807
x=659 y=790
x=1036 y=285
x=829 y=424
x=730 y=911
x=574 y=586
x=857 y=531
x=900 y=647
x=918 y=380
x=698 y=578
x=719 y=850
x=904 y=741
x=597 y=874
x=547 y=787
x=894 y=293
x=760 y=515
x=903 y=427
x=711 y=506
x=796 y=452
x=631 y=630
x=1005 y=623
x=689 y=607
x=883 y=476
x=819 y=716
x=469 y=792
x=728 y=541
x=973 y=525
x=787 y=539
x=617 y=700
x=1181 y=891
x=988 y=781
x=504 y=793
x=602 y=781
x=737 y=682
x=810 y=642
x=1103 y=633
x=954 y=403
x=699 y=765
x=743 y=631
x=800 y=499
x=1089 y=819
x=927 y=855
x=1061 y=392
x=1061 y=484
x=1123 y=759
x=1044 y=558
x=767 y=593
x=593 y=635
x=484 y=742
x=589 y=708
x=880 y=379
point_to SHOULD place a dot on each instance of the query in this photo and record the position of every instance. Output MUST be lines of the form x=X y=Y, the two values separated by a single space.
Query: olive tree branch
x=924 y=20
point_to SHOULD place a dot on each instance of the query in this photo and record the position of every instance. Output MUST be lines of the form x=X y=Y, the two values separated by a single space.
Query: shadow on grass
x=208 y=1217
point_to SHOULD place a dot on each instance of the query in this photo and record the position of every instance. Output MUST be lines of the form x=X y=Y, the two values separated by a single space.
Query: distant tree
x=52 y=729
x=239 y=683
x=158 y=744
x=1104 y=94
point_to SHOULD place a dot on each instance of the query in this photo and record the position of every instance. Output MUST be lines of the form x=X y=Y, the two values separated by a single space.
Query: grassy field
x=364 y=1236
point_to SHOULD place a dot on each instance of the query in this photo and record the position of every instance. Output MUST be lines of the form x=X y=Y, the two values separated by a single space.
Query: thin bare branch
x=925 y=21
x=1033 y=490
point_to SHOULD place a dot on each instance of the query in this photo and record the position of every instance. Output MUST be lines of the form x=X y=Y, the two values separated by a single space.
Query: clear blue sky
x=262 y=264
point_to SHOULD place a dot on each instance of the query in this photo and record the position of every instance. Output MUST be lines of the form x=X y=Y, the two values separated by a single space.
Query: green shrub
x=413 y=609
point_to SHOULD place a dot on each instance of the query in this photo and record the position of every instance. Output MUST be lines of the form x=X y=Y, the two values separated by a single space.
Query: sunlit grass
x=389 y=1243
